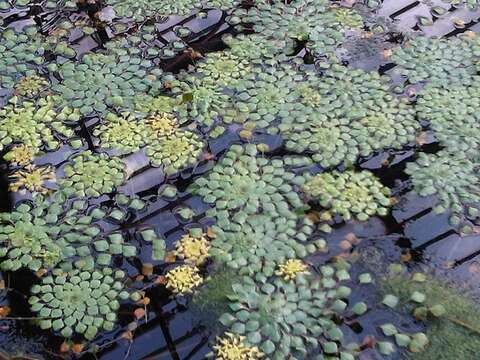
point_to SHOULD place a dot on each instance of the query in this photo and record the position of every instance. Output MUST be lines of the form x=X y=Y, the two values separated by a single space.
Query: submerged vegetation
x=145 y=165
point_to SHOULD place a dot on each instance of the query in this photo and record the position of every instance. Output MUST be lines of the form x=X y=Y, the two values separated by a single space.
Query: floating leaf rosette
x=107 y=80
x=31 y=86
x=176 y=151
x=199 y=101
x=93 y=174
x=316 y=21
x=20 y=54
x=32 y=179
x=112 y=133
x=242 y=181
x=45 y=232
x=258 y=50
x=258 y=244
x=142 y=9
x=437 y=60
x=77 y=301
x=454 y=115
x=287 y=318
x=453 y=178
x=223 y=68
x=349 y=114
x=350 y=194
x=35 y=123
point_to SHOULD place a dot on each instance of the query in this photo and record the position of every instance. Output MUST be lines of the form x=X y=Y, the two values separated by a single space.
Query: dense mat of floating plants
x=328 y=115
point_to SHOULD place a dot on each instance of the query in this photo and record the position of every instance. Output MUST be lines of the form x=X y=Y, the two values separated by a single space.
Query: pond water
x=316 y=152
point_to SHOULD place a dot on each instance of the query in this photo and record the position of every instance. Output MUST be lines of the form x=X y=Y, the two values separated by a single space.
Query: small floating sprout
x=32 y=179
x=20 y=155
x=291 y=268
x=183 y=279
x=350 y=194
x=192 y=249
x=232 y=347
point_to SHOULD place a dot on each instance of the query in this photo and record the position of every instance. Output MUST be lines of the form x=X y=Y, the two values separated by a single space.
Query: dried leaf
x=65 y=347
x=162 y=280
x=170 y=258
x=139 y=313
x=127 y=335
x=77 y=348
x=147 y=269
x=5 y=310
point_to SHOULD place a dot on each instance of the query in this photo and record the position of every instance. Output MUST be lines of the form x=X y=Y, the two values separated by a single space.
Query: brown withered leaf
x=65 y=347
x=77 y=348
x=139 y=313
x=127 y=335
x=147 y=269
x=170 y=258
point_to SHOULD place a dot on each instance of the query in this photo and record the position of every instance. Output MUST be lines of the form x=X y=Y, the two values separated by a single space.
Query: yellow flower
x=32 y=179
x=291 y=268
x=232 y=347
x=193 y=250
x=163 y=124
x=183 y=279
x=20 y=155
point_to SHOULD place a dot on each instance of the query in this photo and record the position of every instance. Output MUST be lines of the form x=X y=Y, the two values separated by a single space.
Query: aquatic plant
x=259 y=244
x=453 y=113
x=140 y=10
x=315 y=21
x=176 y=151
x=222 y=68
x=232 y=347
x=112 y=133
x=242 y=181
x=158 y=244
x=445 y=337
x=258 y=50
x=20 y=53
x=285 y=319
x=91 y=174
x=163 y=124
x=291 y=268
x=192 y=248
x=44 y=232
x=452 y=177
x=31 y=86
x=200 y=102
x=34 y=124
x=149 y=105
x=81 y=302
x=183 y=279
x=469 y=4
x=32 y=179
x=350 y=194
x=107 y=80
x=20 y=155
x=438 y=61
x=347 y=114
